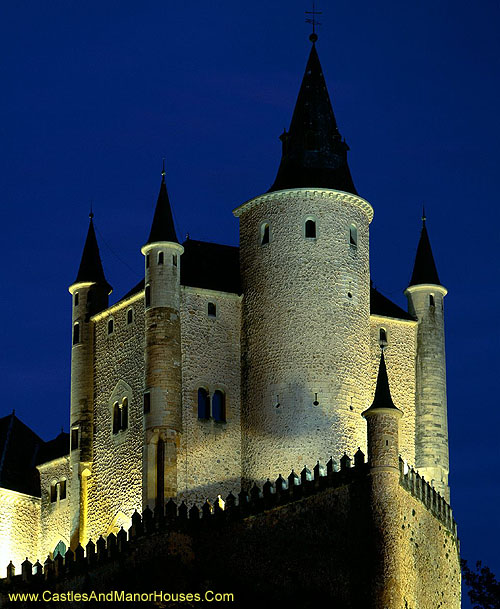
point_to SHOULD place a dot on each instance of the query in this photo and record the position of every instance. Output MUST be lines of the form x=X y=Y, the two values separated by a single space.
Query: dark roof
x=314 y=153
x=381 y=305
x=91 y=265
x=424 y=269
x=211 y=266
x=206 y=265
x=162 y=228
x=382 y=397
x=21 y=450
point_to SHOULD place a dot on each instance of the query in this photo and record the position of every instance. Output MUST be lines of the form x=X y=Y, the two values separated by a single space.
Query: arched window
x=219 y=406
x=382 y=337
x=124 y=414
x=116 y=418
x=353 y=236
x=62 y=489
x=130 y=316
x=60 y=549
x=264 y=234
x=431 y=300
x=310 y=229
x=76 y=333
x=53 y=492
x=212 y=309
x=147 y=295
x=76 y=299
x=160 y=257
x=111 y=325
x=203 y=404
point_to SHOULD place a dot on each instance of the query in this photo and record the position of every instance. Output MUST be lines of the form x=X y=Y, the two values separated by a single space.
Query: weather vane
x=313 y=21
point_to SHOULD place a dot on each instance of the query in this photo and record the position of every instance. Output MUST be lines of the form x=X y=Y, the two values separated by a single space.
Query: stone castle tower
x=225 y=366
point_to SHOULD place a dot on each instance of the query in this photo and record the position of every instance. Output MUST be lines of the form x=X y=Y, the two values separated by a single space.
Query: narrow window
x=62 y=489
x=431 y=300
x=110 y=326
x=124 y=414
x=147 y=294
x=130 y=316
x=219 y=406
x=53 y=492
x=212 y=309
x=174 y=259
x=310 y=229
x=203 y=404
x=116 y=418
x=353 y=236
x=160 y=258
x=264 y=234
x=147 y=402
x=74 y=438
x=76 y=299
x=147 y=261
x=76 y=333
x=60 y=549
x=382 y=337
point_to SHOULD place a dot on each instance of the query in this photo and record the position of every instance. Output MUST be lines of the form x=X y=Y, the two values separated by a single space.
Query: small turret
x=426 y=301
x=383 y=424
x=162 y=382
x=90 y=293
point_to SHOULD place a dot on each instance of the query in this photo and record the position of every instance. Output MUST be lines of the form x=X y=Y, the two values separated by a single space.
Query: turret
x=90 y=292
x=426 y=301
x=162 y=382
x=304 y=259
x=383 y=424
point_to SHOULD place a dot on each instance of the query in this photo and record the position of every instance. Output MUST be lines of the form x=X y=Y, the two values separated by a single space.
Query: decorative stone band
x=324 y=193
x=419 y=488
x=426 y=287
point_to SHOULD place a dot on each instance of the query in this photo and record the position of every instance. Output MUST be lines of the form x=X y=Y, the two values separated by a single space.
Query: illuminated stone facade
x=226 y=366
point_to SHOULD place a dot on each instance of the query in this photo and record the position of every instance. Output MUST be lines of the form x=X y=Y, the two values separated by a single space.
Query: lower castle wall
x=55 y=516
x=19 y=528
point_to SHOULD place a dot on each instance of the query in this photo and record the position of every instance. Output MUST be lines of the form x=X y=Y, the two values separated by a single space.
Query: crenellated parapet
x=422 y=490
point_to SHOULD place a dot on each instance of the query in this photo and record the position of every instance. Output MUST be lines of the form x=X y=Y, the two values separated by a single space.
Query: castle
x=225 y=366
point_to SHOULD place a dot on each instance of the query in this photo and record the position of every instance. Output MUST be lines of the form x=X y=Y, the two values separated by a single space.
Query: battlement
x=419 y=488
x=180 y=518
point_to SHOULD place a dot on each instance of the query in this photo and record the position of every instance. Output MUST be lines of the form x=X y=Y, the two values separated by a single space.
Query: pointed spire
x=382 y=397
x=424 y=269
x=314 y=153
x=91 y=265
x=162 y=228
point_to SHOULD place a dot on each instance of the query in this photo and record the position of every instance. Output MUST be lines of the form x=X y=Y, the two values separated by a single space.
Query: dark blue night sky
x=94 y=94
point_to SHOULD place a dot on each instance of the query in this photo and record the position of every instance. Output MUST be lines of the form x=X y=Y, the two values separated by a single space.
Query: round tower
x=90 y=293
x=304 y=258
x=163 y=381
x=426 y=301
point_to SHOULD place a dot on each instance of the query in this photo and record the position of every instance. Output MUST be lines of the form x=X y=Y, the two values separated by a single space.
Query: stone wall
x=19 y=528
x=55 y=515
x=400 y=355
x=115 y=485
x=209 y=461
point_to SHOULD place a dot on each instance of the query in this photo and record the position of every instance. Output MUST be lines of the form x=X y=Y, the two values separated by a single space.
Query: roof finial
x=91 y=213
x=423 y=214
x=312 y=20
x=163 y=171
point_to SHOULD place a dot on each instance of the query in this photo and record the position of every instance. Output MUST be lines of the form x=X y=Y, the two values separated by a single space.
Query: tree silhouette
x=484 y=589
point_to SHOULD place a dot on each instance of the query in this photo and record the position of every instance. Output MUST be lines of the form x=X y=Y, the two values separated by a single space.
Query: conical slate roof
x=162 y=228
x=382 y=397
x=424 y=269
x=314 y=153
x=90 y=264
